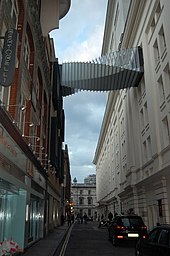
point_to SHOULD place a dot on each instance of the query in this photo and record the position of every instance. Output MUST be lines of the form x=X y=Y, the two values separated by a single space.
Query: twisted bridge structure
x=115 y=71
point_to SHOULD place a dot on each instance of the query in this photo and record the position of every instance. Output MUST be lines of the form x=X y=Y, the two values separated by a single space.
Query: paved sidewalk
x=48 y=245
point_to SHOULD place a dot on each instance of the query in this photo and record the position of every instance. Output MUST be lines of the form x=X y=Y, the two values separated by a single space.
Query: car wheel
x=114 y=240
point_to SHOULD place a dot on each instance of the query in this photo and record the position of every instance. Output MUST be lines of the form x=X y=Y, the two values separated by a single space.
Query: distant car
x=156 y=244
x=126 y=227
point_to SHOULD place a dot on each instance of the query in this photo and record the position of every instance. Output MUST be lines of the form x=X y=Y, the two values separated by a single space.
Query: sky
x=80 y=38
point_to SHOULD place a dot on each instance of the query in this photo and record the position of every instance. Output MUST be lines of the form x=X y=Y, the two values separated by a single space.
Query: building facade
x=83 y=198
x=67 y=183
x=90 y=179
x=31 y=166
x=133 y=153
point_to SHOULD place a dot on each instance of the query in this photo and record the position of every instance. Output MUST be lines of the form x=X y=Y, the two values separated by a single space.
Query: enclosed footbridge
x=115 y=71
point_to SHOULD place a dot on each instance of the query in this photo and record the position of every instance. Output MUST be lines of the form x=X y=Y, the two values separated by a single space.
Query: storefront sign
x=7 y=69
x=6 y=144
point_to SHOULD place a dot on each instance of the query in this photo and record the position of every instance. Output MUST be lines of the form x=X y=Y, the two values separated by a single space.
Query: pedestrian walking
x=69 y=219
x=110 y=216
x=78 y=218
x=62 y=219
x=85 y=218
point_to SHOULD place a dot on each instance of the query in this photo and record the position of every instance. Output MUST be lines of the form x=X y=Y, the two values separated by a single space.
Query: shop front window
x=12 y=213
x=35 y=220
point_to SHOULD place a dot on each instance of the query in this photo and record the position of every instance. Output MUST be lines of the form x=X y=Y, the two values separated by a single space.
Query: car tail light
x=144 y=228
x=120 y=227
x=120 y=237
x=144 y=237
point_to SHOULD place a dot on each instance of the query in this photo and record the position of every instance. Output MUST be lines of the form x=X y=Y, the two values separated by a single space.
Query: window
x=89 y=192
x=81 y=199
x=156 y=53
x=4 y=91
x=14 y=12
x=37 y=89
x=89 y=200
x=144 y=150
x=162 y=40
x=161 y=90
x=89 y=212
x=142 y=118
x=165 y=131
x=160 y=207
x=153 y=236
x=81 y=192
x=167 y=80
x=146 y=113
x=164 y=237
x=21 y=114
x=27 y=52
x=152 y=25
x=149 y=147
x=158 y=11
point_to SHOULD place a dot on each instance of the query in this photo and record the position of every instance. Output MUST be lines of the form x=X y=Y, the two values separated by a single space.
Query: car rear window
x=132 y=222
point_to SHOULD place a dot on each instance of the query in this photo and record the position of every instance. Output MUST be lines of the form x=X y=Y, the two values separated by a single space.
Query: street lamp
x=34 y=145
x=31 y=136
x=31 y=124
x=22 y=107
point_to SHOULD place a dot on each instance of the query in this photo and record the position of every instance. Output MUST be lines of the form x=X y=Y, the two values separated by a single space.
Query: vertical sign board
x=7 y=69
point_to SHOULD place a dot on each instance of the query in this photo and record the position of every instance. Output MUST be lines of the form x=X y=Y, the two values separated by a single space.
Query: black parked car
x=156 y=244
x=129 y=227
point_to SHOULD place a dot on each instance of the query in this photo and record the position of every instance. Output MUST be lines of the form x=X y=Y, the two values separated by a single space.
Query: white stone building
x=84 y=200
x=133 y=152
x=90 y=179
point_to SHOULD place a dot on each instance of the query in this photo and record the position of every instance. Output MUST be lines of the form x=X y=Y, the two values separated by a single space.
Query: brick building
x=32 y=121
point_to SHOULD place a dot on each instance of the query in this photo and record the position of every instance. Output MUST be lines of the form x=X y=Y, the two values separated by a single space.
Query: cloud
x=87 y=50
x=79 y=38
x=84 y=114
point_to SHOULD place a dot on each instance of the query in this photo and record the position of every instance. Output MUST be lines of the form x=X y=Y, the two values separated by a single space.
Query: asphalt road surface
x=89 y=240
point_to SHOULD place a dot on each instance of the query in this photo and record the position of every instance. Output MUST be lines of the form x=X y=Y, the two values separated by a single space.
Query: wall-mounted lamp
x=31 y=136
x=22 y=107
x=30 y=123
x=46 y=155
x=34 y=145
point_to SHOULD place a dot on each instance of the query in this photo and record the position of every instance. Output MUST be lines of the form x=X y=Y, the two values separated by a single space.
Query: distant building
x=67 y=182
x=83 y=196
x=90 y=179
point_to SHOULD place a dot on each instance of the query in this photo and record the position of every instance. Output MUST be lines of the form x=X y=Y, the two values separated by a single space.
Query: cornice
x=64 y=7
x=108 y=25
x=132 y=22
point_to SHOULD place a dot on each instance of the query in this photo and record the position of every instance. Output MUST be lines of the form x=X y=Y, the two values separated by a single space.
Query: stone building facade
x=133 y=153
x=83 y=197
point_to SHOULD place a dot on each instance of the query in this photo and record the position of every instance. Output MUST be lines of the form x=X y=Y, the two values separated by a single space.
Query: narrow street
x=88 y=240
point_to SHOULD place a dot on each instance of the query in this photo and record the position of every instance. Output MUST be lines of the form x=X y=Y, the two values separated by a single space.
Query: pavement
x=48 y=245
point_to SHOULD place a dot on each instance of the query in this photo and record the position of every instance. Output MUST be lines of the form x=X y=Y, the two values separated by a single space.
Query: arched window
x=90 y=200
x=81 y=200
